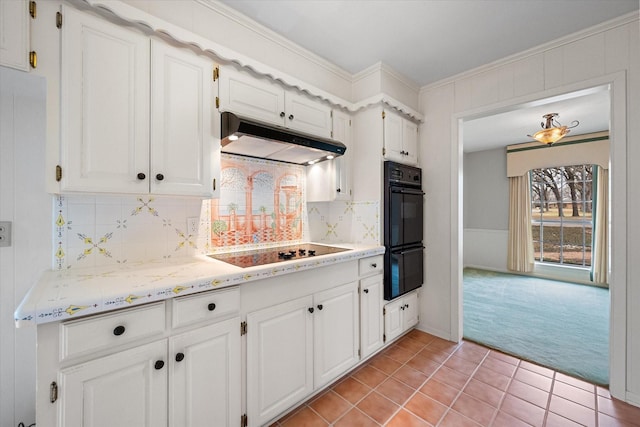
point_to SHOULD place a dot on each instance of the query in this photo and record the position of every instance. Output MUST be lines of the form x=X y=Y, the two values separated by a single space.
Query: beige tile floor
x=422 y=381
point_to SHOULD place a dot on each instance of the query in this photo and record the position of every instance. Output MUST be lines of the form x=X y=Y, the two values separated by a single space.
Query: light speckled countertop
x=67 y=294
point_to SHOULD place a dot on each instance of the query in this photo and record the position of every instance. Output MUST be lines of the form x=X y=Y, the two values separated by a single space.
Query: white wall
x=486 y=209
x=24 y=202
x=598 y=56
x=486 y=190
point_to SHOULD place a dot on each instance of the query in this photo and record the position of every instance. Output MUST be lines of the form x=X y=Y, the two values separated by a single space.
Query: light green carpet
x=560 y=325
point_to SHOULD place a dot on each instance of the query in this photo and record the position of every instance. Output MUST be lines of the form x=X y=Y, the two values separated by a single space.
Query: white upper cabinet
x=259 y=99
x=104 y=106
x=182 y=143
x=117 y=138
x=14 y=34
x=400 y=138
x=331 y=180
x=307 y=115
x=342 y=133
x=266 y=101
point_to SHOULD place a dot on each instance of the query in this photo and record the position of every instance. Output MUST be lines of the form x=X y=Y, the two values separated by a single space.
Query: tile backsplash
x=261 y=204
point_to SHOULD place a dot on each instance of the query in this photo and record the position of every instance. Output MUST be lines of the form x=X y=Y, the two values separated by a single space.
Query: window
x=562 y=223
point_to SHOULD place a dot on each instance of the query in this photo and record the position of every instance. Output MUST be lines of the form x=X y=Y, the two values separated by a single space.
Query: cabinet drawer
x=110 y=330
x=205 y=306
x=370 y=265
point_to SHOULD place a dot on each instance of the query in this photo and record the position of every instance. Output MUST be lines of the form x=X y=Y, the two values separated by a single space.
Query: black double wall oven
x=403 y=219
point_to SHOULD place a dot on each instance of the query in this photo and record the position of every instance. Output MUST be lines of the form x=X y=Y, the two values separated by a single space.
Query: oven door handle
x=407 y=251
x=407 y=191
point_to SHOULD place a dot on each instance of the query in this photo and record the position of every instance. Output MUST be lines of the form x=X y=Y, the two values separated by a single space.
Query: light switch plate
x=5 y=234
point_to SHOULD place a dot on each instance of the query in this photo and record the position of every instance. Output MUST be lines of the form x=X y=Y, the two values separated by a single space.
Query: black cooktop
x=273 y=255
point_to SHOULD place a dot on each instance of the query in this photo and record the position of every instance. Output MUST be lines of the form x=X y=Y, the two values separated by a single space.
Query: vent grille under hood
x=251 y=138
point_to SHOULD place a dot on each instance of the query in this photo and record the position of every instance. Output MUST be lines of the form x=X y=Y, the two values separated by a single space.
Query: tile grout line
x=462 y=390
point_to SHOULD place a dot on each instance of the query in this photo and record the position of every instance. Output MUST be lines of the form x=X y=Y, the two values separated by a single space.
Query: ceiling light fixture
x=552 y=131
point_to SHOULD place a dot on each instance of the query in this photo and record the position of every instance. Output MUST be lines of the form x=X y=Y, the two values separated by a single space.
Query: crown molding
x=272 y=36
x=383 y=67
x=562 y=41
x=186 y=37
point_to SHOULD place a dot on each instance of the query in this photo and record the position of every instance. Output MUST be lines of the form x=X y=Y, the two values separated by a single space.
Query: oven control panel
x=404 y=175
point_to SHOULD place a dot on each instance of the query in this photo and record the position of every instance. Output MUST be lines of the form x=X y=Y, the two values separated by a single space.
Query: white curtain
x=600 y=260
x=520 y=251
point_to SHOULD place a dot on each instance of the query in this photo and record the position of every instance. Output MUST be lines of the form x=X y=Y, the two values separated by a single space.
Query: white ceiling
x=428 y=40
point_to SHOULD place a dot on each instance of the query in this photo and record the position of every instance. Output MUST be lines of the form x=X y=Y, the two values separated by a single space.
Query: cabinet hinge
x=58 y=20
x=33 y=59
x=384 y=311
x=243 y=328
x=383 y=151
x=216 y=73
x=243 y=420
x=384 y=114
x=58 y=173
x=331 y=134
x=213 y=184
x=53 y=392
x=349 y=122
x=217 y=102
x=33 y=9
x=359 y=353
x=384 y=337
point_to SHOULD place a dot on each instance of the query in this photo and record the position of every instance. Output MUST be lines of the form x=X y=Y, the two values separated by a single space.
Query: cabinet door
x=182 y=141
x=393 y=325
x=250 y=97
x=393 y=126
x=307 y=115
x=410 y=312
x=128 y=388
x=104 y=106
x=205 y=378
x=410 y=141
x=342 y=164
x=336 y=332
x=14 y=34
x=279 y=358
x=371 y=319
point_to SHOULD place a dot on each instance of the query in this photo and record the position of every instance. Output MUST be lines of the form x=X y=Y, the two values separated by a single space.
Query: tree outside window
x=562 y=222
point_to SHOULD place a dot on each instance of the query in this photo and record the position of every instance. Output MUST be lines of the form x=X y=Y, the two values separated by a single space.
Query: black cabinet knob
x=211 y=306
x=320 y=307
x=118 y=330
x=366 y=291
x=141 y=176
x=179 y=357
x=159 y=177
x=290 y=116
x=310 y=309
x=374 y=265
x=282 y=114
x=159 y=364
x=338 y=190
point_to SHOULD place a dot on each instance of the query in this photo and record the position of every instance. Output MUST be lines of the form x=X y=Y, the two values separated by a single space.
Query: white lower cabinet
x=146 y=376
x=371 y=319
x=204 y=380
x=297 y=347
x=128 y=388
x=400 y=315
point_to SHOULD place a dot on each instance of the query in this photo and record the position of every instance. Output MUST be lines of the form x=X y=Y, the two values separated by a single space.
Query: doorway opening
x=465 y=233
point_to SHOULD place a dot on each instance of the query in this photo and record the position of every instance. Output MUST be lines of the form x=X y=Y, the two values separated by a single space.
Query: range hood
x=247 y=137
